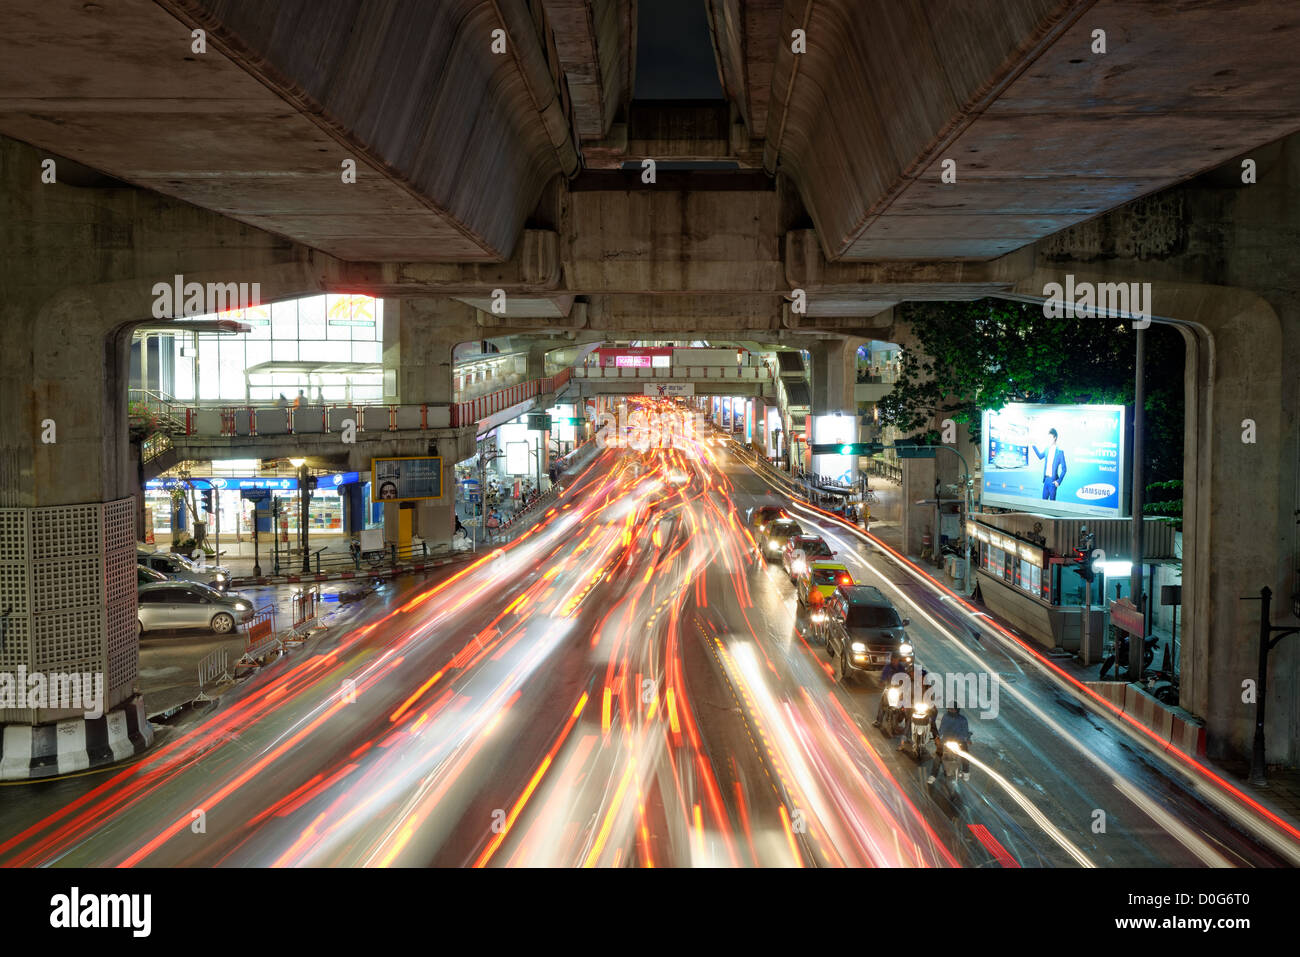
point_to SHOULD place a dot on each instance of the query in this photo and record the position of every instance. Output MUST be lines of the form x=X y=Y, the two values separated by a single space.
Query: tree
x=972 y=356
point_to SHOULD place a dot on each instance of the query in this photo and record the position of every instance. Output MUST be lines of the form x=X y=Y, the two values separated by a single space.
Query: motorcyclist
x=954 y=727
x=898 y=665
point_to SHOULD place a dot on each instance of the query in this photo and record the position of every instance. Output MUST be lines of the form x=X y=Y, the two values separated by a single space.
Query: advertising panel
x=407 y=479
x=837 y=429
x=1055 y=459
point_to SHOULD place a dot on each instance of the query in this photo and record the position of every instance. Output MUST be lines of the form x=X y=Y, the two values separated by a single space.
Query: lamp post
x=304 y=496
x=1258 y=768
x=1136 y=643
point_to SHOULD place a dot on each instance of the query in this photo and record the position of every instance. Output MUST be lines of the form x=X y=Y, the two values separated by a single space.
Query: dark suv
x=862 y=630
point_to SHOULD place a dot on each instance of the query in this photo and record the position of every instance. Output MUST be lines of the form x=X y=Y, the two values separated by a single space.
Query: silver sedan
x=190 y=605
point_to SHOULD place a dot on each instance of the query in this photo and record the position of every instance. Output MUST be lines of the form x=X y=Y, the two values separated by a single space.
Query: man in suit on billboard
x=1053 y=466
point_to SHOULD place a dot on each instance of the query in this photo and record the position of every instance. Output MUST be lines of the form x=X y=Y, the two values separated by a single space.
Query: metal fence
x=214 y=669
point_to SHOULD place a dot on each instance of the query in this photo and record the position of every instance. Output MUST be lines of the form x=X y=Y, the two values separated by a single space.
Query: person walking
x=493 y=524
x=298 y=400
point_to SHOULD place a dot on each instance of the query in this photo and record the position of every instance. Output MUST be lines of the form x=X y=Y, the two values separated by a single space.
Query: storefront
x=337 y=496
x=1020 y=564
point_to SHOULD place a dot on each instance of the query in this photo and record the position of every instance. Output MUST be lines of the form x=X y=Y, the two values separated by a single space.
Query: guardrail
x=890 y=473
x=742 y=373
x=259 y=634
x=251 y=420
x=476 y=410
x=214 y=669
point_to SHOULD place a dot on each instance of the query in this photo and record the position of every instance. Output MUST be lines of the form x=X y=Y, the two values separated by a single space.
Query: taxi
x=823 y=577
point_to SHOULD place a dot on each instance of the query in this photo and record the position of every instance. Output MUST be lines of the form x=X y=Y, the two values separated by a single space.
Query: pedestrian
x=493 y=524
x=282 y=402
x=460 y=529
x=299 y=399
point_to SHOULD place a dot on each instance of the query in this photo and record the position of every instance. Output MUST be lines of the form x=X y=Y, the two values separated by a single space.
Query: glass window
x=285 y=352
x=365 y=351
x=284 y=320
x=873 y=616
x=259 y=317
x=231 y=370
x=311 y=318
x=320 y=351
x=189 y=596
x=209 y=367
x=257 y=351
x=155 y=596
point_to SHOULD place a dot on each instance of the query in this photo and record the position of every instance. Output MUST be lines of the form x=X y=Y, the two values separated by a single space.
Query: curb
x=29 y=752
x=349 y=575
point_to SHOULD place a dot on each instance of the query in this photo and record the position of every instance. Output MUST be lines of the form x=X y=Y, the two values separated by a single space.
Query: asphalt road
x=626 y=685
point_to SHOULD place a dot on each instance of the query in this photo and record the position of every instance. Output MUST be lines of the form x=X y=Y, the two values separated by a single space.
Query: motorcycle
x=950 y=757
x=918 y=730
x=1163 y=686
x=893 y=715
x=1120 y=655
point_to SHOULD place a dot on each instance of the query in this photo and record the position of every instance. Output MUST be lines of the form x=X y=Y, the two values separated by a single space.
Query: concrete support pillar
x=421 y=352
x=834 y=409
x=537 y=361
x=918 y=485
x=427 y=333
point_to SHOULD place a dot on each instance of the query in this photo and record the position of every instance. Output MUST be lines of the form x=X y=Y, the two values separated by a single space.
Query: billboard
x=407 y=479
x=835 y=429
x=1055 y=459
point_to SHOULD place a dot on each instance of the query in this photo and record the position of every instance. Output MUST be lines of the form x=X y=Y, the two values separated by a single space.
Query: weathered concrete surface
x=596 y=42
x=452 y=143
x=1044 y=132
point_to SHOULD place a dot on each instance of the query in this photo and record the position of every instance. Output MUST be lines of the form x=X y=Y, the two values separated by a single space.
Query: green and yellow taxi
x=821 y=576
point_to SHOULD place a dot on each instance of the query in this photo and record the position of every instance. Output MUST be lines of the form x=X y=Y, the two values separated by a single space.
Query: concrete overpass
x=489 y=200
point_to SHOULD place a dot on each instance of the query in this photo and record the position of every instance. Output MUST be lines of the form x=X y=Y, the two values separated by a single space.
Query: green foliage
x=972 y=356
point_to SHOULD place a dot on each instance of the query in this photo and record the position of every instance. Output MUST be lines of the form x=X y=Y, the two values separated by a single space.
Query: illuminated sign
x=633 y=362
x=406 y=479
x=1055 y=459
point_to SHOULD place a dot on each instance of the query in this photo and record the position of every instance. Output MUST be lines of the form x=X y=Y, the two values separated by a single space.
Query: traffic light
x=1084 y=567
x=847 y=448
x=207 y=500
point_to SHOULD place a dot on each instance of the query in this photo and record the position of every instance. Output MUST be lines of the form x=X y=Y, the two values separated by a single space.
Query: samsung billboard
x=1055 y=459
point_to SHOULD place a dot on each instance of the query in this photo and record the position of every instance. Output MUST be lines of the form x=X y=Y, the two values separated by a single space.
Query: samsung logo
x=1092 y=492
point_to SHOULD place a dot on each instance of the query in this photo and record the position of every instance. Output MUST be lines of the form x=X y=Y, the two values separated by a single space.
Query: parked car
x=180 y=568
x=144 y=575
x=176 y=604
x=862 y=629
x=801 y=550
x=777 y=535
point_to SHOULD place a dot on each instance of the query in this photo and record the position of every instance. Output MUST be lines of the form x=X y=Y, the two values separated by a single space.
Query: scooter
x=1163 y=686
x=893 y=717
x=950 y=757
x=1120 y=656
x=918 y=730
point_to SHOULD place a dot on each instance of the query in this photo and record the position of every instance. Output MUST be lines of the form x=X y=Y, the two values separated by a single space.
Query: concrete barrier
x=75 y=744
x=1183 y=733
